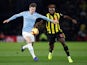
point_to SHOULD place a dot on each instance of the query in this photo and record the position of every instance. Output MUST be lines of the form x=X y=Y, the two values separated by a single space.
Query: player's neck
x=52 y=14
x=31 y=12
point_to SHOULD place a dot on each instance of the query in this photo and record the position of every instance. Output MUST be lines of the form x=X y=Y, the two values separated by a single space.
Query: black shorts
x=54 y=37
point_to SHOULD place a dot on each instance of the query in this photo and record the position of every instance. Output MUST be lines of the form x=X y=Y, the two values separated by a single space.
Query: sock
x=51 y=47
x=30 y=48
x=66 y=50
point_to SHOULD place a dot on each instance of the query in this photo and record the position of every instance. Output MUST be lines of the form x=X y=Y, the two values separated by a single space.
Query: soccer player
x=29 y=18
x=54 y=32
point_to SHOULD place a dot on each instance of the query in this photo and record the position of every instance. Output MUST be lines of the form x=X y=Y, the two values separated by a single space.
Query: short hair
x=33 y=5
x=51 y=6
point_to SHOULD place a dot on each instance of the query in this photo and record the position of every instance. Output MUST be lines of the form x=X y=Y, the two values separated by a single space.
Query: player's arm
x=12 y=18
x=70 y=18
x=39 y=23
x=49 y=20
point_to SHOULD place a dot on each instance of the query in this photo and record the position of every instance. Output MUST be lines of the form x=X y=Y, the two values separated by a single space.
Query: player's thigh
x=51 y=39
x=61 y=38
x=28 y=37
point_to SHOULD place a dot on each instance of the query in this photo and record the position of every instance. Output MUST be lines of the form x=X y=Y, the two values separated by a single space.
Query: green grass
x=10 y=54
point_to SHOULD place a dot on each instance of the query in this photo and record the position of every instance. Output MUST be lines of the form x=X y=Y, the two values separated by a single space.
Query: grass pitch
x=10 y=54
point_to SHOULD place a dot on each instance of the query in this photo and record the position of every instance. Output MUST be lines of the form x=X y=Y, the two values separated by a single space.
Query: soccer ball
x=35 y=31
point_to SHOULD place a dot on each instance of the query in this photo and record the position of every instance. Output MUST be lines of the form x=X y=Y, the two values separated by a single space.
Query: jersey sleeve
x=15 y=16
x=45 y=18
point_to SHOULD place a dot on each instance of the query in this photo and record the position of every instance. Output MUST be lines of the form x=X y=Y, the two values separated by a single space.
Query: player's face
x=32 y=9
x=52 y=10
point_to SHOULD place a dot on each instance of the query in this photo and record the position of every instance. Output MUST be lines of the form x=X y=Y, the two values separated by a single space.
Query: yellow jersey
x=51 y=27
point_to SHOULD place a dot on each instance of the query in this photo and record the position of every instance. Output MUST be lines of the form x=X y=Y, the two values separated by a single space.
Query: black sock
x=66 y=50
x=51 y=47
x=50 y=51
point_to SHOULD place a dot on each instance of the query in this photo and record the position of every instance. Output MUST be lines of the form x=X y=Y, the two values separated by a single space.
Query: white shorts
x=27 y=34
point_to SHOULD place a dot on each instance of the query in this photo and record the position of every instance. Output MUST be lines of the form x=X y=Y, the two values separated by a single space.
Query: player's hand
x=74 y=21
x=5 y=21
x=55 y=21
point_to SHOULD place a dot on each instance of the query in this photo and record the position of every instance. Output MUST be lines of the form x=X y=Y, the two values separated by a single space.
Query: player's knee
x=62 y=40
x=28 y=40
x=51 y=46
x=51 y=43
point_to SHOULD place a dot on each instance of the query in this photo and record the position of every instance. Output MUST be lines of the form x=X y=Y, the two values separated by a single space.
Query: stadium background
x=74 y=8
x=76 y=35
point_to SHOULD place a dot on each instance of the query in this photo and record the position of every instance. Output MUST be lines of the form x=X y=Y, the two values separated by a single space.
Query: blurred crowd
x=75 y=8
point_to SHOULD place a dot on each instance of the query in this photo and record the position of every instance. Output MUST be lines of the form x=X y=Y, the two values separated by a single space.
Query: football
x=35 y=31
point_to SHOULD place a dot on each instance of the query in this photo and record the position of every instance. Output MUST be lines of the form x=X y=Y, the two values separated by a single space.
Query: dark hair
x=33 y=5
x=51 y=6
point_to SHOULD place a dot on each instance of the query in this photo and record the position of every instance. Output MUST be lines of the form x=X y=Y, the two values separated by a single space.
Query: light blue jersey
x=29 y=19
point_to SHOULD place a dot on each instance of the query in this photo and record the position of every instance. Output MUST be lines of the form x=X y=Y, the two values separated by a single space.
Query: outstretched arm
x=49 y=20
x=68 y=17
x=12 y=18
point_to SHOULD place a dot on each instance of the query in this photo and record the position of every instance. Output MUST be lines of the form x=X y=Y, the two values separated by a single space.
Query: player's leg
x=51 y=46
x=29 y=39
x=51 y=40
x=62 y=41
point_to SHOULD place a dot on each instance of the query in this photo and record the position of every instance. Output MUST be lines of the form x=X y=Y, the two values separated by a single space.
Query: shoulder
x=36 y=13
x=47 y=14
x=59 y=14
x=24 y=13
